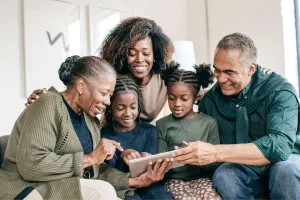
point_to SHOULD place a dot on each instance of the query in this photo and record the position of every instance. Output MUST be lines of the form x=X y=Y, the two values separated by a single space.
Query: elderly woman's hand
x=195 y=153
x=104 y=150
x=154 y=173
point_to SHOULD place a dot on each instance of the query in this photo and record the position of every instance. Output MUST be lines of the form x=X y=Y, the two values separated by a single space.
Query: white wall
x=180 y=20
x=260 y=20
x=12 y=68
x=12 y=80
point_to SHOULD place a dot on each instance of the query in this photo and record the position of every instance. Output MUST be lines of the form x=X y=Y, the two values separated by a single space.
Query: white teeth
x=141 y=68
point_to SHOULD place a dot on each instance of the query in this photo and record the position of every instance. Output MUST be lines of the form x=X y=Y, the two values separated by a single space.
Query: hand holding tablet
x=139 y=166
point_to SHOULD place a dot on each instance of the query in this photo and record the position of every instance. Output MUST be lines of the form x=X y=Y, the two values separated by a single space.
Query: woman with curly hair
x=139 y=49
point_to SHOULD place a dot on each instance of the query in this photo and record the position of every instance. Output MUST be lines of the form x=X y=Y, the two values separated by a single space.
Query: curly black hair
x=123 y=84
x=115 y=47
x=202 y=78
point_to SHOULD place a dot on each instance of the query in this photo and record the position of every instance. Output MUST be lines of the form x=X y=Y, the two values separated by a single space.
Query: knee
x=109 y=188
x=285 y=170
x=106 y=189
x=226 y=181
x=224 y=173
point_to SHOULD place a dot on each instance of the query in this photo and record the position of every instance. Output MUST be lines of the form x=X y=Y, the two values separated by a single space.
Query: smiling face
x=95 y=95
x=231 y=75
x=125 y=111
x=140 y=61
x=181 y=97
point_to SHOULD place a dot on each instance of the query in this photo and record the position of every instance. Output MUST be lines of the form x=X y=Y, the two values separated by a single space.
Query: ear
x=79 y=85
x=252 y=69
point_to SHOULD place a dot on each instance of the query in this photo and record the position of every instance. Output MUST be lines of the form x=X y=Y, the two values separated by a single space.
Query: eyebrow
x=226 y=70
x=180 y=95
x=132 y=48
x=120 y=104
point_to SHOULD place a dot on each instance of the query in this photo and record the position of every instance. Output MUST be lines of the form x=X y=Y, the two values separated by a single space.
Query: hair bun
x=205 y=74
x=170 y=68
x=65 y=69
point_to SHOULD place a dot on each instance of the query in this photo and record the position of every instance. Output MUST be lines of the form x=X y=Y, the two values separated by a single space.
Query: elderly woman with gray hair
x=55 y=150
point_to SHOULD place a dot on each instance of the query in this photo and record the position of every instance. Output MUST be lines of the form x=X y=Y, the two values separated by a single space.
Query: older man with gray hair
x=258 y=118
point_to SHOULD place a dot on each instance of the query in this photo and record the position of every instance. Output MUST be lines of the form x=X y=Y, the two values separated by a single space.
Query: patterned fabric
x=200 y=189
x=272 y=108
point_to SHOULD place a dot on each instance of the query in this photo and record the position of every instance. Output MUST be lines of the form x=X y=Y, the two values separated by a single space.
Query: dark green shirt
x=172 y=131
x=272 y=125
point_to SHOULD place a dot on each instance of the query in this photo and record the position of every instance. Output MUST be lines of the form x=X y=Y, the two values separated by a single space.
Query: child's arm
x=129 y=154
x=162 y=143
x=213 y=136
x=152 y=148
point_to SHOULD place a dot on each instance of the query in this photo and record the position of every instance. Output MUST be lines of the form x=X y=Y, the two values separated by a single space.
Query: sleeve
x=162 y=143
x=36 y=159
x=118 y=179
x=213 y=136
x=281 y=127
x=153 y=146
x=112 y=162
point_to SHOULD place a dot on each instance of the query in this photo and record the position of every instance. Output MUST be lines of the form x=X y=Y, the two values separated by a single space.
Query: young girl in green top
x=183 y=126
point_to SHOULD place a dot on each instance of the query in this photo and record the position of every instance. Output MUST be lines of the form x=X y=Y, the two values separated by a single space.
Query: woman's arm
x=34 y=96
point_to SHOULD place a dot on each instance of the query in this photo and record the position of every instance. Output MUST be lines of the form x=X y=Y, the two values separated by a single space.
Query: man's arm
x=202 y=153
x=247 y=154
x=277 y=145
x=281 y=127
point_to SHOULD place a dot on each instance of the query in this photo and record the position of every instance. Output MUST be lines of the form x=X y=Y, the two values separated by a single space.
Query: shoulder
x=206 y=118
x=283 y=98
x=163 y=120
x=209 y=95
x=148 y=130
x=146 y=125
x=48 y=101
x=105 y=131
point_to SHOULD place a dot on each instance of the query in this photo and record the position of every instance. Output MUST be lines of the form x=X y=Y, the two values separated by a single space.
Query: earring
x=154 y=60
x=80 y=93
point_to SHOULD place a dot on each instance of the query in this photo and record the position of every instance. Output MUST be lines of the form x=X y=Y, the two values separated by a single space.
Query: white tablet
x=139 y=166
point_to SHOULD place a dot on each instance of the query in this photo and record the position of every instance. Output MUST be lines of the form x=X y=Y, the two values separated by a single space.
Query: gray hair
x=242 y=43
x=89 y=68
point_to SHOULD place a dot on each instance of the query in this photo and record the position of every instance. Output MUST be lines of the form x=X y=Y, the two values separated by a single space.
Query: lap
x=194 y=189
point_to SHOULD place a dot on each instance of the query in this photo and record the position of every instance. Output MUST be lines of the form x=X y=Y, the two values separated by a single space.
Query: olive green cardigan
x=44 y=152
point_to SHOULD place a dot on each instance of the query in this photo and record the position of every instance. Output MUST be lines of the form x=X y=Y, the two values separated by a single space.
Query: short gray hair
x=242 y=43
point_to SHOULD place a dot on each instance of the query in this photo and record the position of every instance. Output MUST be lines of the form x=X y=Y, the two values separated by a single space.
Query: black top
x=81 y=129
x=142 y=138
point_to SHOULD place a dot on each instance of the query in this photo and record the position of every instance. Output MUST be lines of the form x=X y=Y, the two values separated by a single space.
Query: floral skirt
x=195 y=189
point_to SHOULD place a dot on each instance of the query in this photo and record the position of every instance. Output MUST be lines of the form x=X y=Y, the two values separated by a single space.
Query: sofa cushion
x=3 y=144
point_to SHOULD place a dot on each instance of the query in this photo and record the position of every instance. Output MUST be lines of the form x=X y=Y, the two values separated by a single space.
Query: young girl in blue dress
x=185 y=125
x=137 y=138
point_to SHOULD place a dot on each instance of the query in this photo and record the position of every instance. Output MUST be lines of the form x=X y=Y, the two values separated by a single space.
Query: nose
x=177 y=103
x=139 y=57
x=107 y=100
x=127 y=112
